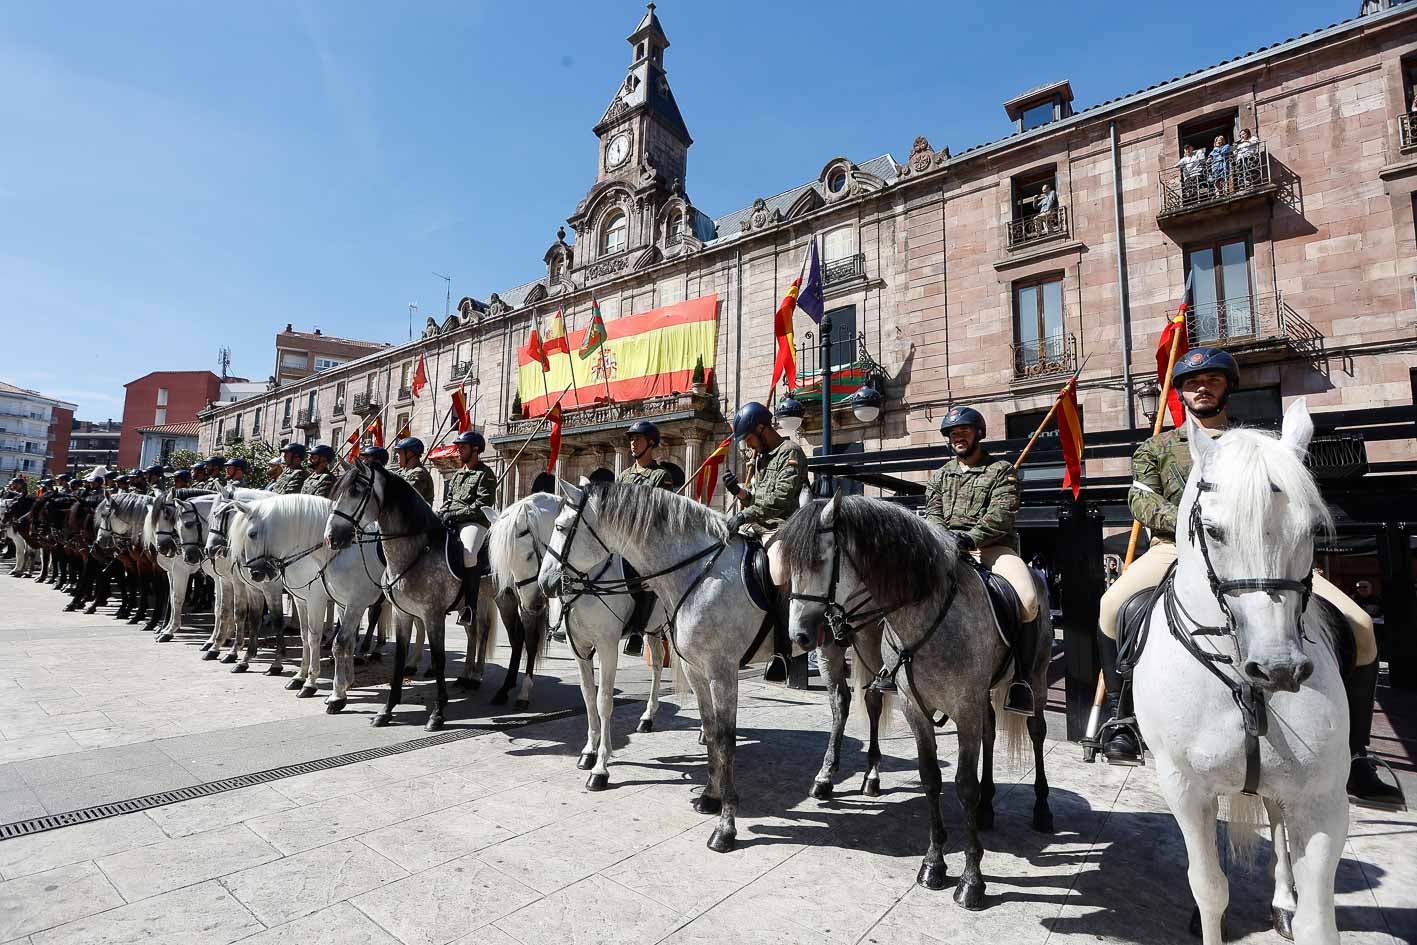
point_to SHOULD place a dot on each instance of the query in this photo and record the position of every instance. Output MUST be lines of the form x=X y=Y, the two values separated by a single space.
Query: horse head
x=1246 y=527
x=162 y=518
x=259 y=565
x=516 y=546
x=357 y=499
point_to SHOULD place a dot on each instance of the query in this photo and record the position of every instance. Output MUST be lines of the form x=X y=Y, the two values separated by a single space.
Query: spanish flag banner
x=707 y=479
x=642 y=356
x=458 y=411
x=785 y=364
x=556 y=334
x=1070 y=436
x=376 y=432
x=353 y=441
x=554 y=439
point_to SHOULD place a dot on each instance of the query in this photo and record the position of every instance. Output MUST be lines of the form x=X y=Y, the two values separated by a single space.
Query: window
x=555 y=271
x=843 y=336
x=337 y=436
x=462 y=353
x=220 y=427
x=159 y=416
x=404 y=370
x=240 y=419
x=162 y=396
x=1020 y=426
x=168 y=448
x=1409 y=83
x=1221 y=303
x=1257 y=407
x=310 y=405
x=1038 y=322
x=1201 y=133
x=1029 y=198
x=836 y=183
x=674 y=227
x=615 y=234
x=324 y=364
x=294 y=359
x=285 y=418
x=1040 y=114
x=339 y=397
x=839 y=244
x=401 y=424
x=256 y=422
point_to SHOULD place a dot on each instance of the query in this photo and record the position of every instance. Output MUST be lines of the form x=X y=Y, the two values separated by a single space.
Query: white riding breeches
x=472 y=537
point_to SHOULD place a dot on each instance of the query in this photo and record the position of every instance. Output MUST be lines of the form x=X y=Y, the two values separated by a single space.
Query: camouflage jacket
x=654 y=475
x=290 y=481
x=420 y=478
x=468 y=495
x=780 y=476
x=980 y=501
x=1160 y=467
x=319 y=483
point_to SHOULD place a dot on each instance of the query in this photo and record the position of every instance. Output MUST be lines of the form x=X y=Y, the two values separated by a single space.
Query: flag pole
x=531 y=436
x=1052 y=411
x=680 y=490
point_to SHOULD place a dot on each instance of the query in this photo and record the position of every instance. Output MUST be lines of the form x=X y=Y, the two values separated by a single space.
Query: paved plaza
x=492 y=838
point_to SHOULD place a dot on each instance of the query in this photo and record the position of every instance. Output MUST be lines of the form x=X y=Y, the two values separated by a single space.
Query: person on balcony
x=1044 y=203
x=1247 y=158
x=1192 y=165
x=1218 y=165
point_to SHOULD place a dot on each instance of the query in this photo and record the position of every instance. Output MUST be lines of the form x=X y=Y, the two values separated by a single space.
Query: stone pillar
x=516 y=480
x=622 y=454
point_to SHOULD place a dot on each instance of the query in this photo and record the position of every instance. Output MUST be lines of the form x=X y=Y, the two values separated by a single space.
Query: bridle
x=1248 y=697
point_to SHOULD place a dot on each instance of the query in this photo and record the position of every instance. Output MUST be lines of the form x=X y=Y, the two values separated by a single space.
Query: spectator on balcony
x=1044 y=203
x=1247 y=158
x=1192 y=165
x=1218 y=164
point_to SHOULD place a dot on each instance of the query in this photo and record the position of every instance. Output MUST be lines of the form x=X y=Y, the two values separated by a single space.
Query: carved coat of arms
x=604 y=367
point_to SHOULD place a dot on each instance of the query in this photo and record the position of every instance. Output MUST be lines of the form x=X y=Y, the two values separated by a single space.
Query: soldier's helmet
x=411 y=443
x=1202 y=360
x=324 y=451
x=749 y=417
x=238 y=462
x=154 y=470
x=471 y=438
x=964 y=417
x=296 y=449
x=217 y=460
x=645 y=429
x=376 y=456
x=182 y=475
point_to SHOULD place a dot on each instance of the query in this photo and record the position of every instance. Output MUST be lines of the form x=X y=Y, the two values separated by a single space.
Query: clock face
x=618 y=151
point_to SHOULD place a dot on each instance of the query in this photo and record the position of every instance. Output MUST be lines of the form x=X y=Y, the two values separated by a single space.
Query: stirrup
x=1127 y=724
x=777 y=669
x=1397 y=806
x=1019 y=698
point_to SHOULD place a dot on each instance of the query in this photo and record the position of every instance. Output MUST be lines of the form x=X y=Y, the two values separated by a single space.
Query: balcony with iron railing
x=367 y=403
x=231 y=436
x=1045 y=357
x=405 y=393
x=339 y=407
x=1406 y=139
x=308 y=418
x=1036 y=228
x=615 y=415
x=461 y=370
x=1254 y=325
x=1216 y=185
x=846 y=269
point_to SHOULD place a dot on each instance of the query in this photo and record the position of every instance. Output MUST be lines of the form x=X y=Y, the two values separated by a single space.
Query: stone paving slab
x=494 y=840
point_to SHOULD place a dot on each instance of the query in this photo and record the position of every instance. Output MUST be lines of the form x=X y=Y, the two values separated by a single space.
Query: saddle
x=767 y=597
x=1132 y=626
x=1008 y=611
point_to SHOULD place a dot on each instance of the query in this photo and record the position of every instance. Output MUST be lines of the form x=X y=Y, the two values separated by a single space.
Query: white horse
x=285 y=537
x=11 y=508
x=594 y=623
x=1233 y=649
x=161 y=531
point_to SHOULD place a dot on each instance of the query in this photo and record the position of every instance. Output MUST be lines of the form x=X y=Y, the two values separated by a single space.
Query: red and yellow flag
x=420 y=376
x=1175 y=328
x=785 y=364
x=534 y=352
x=555 y=438
x=707 y=479
x=353 y=441
x=376 y=432
x=458 y=411
x=556 y=342
x=1070 y=436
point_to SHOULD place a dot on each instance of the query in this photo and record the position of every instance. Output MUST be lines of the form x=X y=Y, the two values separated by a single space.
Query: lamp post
x=789 y=415
x=1149 y=394
x=824 y=481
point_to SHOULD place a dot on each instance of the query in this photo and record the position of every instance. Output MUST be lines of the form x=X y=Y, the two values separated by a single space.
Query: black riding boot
x=471 y=585
x=639 y=622
x=1020 y=695
x=1120 y=745
x=1365 y=788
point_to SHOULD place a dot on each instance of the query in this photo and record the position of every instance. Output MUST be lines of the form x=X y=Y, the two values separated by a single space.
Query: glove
x=964 y=541
x=735 y=521
x=730 y=482
x=446 y=518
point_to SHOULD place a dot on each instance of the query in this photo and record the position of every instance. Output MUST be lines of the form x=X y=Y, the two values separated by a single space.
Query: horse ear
x=1298 y=428
x=1199 y=439
x=804 y=497
x=572 y=493
x=829 y=510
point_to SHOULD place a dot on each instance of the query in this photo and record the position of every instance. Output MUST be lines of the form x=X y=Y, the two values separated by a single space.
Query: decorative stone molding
x=761 y=217
x=923 y=158
x=497 y=306
x=430 y=328
x=606 y=267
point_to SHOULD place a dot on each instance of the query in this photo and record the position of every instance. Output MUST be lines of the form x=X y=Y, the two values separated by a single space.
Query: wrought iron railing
x=674 y=239
x=1251 y=319
x=1037 y=228
x=307 y=418
x=1215 y=180
x=844 y=269
x=1045 y=357
x=339 y=407
x=1406 y=139
x=581 y=417
x=461 y=369
x=366 y=403
x=285 y=422
x=231 y=436
x=405 y=393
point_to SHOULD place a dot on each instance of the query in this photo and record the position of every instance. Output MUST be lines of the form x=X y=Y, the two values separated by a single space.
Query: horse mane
x=409 y=503
x=505 y=532
x=1256 y=471
x=648 y=514
x=304 y=515
x=899 y=557
x=188 y=493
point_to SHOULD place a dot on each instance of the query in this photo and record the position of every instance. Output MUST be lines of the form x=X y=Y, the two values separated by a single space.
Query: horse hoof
x=295 y=683
x=275 y=670
x=821 y=790
x=1043 y=821
x=932 y=876
x=500 y=698
x=522 y=705
x=872 y=787
x=229 y=658
x=970 y=895
x=335 y=706
x=241 y=667
x=433 y=724
x=708 y=805
x=307 y=692
x=1283 y=923
x=381 y=719
x=723 y=840
x=165 y=636
x=210 y=655
x=646 y=725
x=586 y=761
x=206 y=646
x=984 y=818
x=597 y=782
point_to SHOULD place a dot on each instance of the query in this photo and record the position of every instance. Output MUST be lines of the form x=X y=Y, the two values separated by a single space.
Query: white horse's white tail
x=1244 y=815
x=1015 y=731
x=860 y=682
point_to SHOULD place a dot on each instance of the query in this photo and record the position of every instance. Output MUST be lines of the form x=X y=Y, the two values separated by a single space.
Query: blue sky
x=178 y=176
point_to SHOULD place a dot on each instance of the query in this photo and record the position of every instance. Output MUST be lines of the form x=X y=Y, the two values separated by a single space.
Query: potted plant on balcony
x=517 y=406
x=697 y=378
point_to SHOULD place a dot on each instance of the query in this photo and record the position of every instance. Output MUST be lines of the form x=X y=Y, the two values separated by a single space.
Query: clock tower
x=642 y=124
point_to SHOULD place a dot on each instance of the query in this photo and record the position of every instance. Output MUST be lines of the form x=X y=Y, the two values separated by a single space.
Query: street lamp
x=824 y=481
x=1149 y=395
x=789 y=415
x=866 y=402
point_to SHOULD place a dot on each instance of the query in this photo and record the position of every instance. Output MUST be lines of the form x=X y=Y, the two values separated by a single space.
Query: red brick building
x=159 y=398
x=61 y=427
x=302 y=353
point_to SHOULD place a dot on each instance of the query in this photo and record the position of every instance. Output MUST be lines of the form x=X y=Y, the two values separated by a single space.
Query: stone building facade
x=957 y=277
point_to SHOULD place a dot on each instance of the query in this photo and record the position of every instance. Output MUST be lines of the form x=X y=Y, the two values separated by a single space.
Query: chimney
x=317 y=331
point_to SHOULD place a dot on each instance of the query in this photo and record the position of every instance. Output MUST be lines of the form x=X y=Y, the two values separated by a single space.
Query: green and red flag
x=595 y=334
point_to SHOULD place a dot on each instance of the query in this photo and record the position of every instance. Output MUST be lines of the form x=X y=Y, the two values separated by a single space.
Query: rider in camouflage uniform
x=236 y=469
x=215 y=466
x=781 y=473
x=468 y=509
x=321 y=481
x=409 y=452
x=198 y=472
x=646 y=470
x=292 y=477
x=155 y=477
x=1204 y=378
x=975 y=497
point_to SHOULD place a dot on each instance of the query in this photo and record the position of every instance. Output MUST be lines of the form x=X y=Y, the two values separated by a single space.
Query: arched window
x=555 y=270
x=614 y=234
x=674 y=228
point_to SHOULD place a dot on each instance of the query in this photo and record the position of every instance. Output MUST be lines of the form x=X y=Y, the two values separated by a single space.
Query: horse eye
x=1214 y=532
x=251 y=533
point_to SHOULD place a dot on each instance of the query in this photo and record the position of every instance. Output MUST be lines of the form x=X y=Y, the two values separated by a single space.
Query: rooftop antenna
x=448 y=298
x=412 y=310
x=223 y=357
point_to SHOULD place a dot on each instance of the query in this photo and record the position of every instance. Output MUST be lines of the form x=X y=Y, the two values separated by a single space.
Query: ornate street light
x=1149 y=395
x=866 y=402
x=789 y=414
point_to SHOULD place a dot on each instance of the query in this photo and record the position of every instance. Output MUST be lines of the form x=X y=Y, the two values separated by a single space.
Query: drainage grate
x=21 y=828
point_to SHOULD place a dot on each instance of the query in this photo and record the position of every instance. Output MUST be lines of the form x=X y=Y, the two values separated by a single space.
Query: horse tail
x=1244 y=815
x=1017 y=745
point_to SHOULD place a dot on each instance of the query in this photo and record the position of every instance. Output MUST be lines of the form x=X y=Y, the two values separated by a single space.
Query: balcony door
x=1038 y=322
x=1222 y=297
